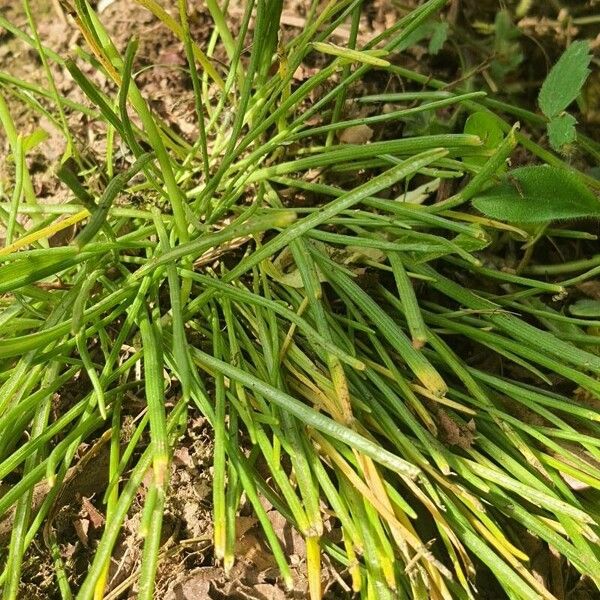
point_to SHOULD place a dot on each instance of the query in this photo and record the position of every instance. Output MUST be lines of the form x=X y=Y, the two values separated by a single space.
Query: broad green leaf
x=508 y=53
x=484 y=125
x=586 y=307
x=538 y=194
x=436 y=31
x=561 y=130
x=416 y=36
x=565 y=80
x=438 y=37
x=505 y=30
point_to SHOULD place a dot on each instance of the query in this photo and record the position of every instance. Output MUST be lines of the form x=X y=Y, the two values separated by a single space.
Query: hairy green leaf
x=561 y=130
x=586 y=307
x=484 y=125
x=565 y=80
x=508 y=53
x=438 y=37
x=538 y=194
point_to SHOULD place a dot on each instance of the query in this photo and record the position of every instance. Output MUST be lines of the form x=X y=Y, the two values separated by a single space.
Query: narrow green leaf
x=367 y=58
x=155 y=397
x=113 y=189
x=33 y=140
x=309 y=416
x=388 y=328
x=35 y=267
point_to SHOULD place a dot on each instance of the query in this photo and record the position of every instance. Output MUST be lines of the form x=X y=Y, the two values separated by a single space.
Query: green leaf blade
x=538 y=194
x=485 y=125
x=586 y=308
x=561 y=131
x=565 y=80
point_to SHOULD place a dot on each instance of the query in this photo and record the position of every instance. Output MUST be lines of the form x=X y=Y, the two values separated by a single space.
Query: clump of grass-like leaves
x=334 y=342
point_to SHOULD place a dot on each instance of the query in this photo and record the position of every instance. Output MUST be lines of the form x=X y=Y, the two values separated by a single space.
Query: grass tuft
x=339 y=330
